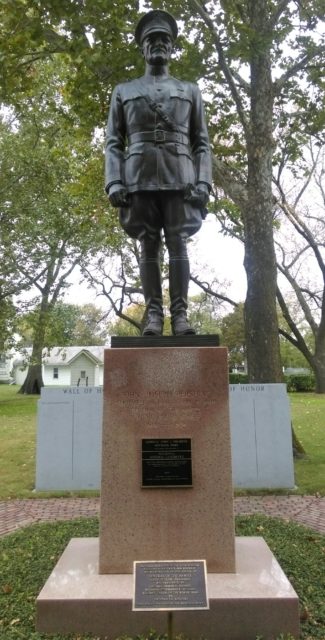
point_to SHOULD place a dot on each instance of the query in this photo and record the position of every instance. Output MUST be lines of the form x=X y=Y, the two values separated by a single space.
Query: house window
x=55 y=373
x=82 y=375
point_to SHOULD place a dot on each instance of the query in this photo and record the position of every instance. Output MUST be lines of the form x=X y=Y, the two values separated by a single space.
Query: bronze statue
x=158 y=168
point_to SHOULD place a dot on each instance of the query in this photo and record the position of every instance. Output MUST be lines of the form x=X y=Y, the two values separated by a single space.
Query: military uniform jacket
x=142 y=150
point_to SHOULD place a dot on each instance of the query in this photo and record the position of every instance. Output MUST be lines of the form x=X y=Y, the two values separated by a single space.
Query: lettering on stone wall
x=79 y=391
x=159 y=408
x=246 y=388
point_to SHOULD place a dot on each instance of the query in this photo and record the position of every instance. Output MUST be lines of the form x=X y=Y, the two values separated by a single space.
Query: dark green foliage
x=238 y=378
x=300 y=382
x=68 y=325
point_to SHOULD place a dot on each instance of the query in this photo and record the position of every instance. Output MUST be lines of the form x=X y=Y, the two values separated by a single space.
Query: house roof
x=64 y=355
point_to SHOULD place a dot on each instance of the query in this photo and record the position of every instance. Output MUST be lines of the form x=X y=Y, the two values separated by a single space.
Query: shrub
x=294 y=382
x=238 y=378
x=301 y=382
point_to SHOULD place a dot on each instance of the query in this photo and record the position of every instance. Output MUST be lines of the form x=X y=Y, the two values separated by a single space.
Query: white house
x=5 y=368
x=65 y=366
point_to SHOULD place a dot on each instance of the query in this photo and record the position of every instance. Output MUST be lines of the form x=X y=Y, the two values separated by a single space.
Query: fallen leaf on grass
x=7 y=588
x=304 y=615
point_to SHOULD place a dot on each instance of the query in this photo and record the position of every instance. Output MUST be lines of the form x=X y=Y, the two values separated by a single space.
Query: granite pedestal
x=169 y=393
x=166 y=394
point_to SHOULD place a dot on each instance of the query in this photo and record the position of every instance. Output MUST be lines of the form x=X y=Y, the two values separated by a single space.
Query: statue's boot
x=179 y=277
x=151 y=285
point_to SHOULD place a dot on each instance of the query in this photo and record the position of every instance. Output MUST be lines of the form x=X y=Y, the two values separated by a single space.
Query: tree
x=115 y=275
x=204 y=314
x=291 y=357
x=261 y=62
x=67 y=325
x=12 y=280
x=233 y=336
x=55 y=209
x=254 y=36
x=93 y=39
x=301 y=257
x=128 y=323
x=7 y=324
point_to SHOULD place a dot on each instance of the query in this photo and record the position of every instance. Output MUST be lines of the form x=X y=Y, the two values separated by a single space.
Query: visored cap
x=156 y=21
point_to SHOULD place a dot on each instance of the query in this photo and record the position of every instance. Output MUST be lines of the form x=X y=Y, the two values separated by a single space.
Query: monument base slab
x=256 y=600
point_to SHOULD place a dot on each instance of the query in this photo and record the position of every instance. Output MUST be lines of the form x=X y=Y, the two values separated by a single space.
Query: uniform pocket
x=134 y=164
x=180 y=106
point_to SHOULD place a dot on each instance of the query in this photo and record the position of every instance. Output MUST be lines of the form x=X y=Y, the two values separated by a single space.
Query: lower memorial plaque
x=166 y=462
x=167 y=585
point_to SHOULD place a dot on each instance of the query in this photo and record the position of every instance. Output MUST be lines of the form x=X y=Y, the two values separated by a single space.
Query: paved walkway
x=14 y=514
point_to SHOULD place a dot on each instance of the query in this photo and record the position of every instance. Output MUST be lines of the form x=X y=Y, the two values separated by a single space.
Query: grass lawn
x=28 y=556
x=17 y=442
x=18 y=437
x=308 y=418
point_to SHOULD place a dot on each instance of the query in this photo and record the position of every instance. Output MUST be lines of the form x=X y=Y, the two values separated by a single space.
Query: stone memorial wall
x=69 y=438
x=70 y=424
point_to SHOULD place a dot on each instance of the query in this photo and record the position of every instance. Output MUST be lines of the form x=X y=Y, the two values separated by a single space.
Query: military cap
x=156 y=20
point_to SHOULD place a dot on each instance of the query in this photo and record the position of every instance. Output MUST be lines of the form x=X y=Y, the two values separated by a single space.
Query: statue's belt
x=158 y=136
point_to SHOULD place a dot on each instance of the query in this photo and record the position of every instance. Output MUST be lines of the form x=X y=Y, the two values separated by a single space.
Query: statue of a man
x=158 y=168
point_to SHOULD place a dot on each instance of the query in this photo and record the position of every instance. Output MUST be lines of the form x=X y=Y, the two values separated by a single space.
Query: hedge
x=300 y=382
x=303 y=382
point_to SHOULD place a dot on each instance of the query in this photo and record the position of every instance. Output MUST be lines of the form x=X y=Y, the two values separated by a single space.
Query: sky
x=212 y=255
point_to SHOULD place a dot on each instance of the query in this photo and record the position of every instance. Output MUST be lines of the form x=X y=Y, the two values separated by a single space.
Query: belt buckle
x=160 y=135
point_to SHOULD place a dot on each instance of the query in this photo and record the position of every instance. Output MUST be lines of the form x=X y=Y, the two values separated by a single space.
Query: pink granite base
x=171 y=393
x=256 y=600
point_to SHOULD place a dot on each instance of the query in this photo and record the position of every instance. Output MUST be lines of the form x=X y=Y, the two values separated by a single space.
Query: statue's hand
x=119 y=198
x=202 y=190
x=198 y=195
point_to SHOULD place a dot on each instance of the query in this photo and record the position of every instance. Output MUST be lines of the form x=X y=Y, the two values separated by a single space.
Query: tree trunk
x=320 y=380
x=319 y=371
x=262 y=338
x=33 y=381
x=297 y=448
x=319 y=359
x=34 y=378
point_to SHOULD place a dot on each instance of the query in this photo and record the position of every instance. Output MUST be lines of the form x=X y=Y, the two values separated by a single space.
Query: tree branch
x=293 y=70
x=301 y=228
x=230 y=181
x=310 y=174
x=303 y=304
x=223 y=64
x=206 y=288
x=278 y=10
x=116 y=305
x=299 y=341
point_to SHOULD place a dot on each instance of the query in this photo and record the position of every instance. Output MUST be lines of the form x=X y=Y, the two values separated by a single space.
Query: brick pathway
x=14 y=514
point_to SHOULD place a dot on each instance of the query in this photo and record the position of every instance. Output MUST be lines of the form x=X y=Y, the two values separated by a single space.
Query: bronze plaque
x=169 y=585
x=166 y=462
